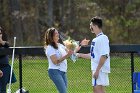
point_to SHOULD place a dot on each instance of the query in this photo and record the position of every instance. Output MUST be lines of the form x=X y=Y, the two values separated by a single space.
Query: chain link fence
x=35 y=77
x=36 y=80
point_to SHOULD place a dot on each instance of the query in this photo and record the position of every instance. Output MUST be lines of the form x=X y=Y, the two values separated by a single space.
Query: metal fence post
x=132 y=69
x=20 y=73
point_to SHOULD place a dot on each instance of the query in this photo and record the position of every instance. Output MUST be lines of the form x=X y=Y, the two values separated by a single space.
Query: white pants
x=102 y=79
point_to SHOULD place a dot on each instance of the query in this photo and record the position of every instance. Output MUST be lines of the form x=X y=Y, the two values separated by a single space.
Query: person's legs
x=100 y=83
x=0 y=85
x=4 y=79
x=98 y=89
x=56 y=77
x=64 y=76
x=103 y=89
x=3 y=89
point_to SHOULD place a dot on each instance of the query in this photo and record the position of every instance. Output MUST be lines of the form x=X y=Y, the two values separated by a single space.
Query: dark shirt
x=4 y=58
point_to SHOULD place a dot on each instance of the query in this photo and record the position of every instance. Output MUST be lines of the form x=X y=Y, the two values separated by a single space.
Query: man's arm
x=101 y=63
x=86 y=56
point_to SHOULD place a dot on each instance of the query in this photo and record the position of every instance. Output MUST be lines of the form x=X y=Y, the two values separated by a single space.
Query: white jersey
x=49 y=51
x=99 y=47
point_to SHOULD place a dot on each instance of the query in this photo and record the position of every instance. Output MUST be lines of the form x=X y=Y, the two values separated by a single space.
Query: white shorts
x=102 y=79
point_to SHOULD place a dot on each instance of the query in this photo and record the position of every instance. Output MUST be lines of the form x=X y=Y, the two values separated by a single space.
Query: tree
x=16 y=21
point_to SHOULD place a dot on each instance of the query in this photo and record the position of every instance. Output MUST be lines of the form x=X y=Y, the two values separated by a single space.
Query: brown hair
x=49 y=37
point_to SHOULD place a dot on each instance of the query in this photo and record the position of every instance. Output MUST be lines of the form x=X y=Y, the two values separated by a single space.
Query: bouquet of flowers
x=72 y=45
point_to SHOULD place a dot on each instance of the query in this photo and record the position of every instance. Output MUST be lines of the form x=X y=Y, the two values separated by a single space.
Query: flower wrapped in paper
x=71 y=45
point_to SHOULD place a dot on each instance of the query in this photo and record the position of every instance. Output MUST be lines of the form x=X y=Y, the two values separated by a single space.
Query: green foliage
x=121 y=19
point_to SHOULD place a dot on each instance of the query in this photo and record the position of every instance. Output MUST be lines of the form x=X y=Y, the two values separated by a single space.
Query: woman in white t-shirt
x=56 y=54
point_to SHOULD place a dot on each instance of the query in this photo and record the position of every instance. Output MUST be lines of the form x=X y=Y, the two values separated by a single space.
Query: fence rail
x=39 y=50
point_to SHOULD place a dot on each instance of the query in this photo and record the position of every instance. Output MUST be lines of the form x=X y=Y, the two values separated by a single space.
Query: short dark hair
x=97 y=21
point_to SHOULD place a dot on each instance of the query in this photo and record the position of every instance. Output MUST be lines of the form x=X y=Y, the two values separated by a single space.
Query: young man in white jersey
x=99 y=55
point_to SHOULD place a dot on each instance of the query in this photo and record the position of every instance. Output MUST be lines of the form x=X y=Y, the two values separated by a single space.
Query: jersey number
x=92 y=53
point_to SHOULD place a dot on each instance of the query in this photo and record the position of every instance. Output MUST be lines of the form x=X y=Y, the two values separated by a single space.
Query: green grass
x=36 y=80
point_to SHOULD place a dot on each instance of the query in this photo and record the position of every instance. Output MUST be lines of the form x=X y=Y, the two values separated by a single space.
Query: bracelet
x=78 y=54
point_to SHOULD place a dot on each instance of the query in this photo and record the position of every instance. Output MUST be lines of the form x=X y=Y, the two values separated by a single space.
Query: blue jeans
x=4 y=80
x=59 y=78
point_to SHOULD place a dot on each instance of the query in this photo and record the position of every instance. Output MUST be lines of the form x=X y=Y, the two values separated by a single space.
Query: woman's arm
x=55 y=60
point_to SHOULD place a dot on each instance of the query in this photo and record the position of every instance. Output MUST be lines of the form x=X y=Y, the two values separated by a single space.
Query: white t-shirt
x=60 y=52
x=99 y=47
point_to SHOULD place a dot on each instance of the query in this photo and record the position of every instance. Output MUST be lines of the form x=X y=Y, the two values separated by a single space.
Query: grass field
x=36 y=80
